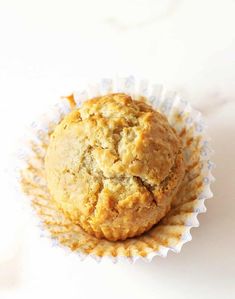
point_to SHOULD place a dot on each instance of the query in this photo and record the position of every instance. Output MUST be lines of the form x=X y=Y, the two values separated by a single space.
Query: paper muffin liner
x=174 y=229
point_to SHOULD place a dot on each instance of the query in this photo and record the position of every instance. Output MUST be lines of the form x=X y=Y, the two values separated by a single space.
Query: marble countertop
x=47 y=49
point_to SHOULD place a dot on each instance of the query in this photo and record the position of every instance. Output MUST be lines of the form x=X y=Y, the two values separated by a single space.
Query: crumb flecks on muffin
x=113 y=166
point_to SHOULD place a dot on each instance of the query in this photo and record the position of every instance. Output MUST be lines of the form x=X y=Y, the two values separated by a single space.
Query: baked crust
x=113 y=166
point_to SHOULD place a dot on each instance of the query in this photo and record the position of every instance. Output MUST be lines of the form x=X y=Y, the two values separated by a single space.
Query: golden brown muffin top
x=110 y=155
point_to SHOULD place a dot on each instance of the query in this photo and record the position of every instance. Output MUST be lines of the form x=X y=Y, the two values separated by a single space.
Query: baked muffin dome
x=113 y=166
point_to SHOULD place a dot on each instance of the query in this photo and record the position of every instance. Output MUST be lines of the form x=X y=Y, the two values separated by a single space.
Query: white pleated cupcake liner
x=181 y=116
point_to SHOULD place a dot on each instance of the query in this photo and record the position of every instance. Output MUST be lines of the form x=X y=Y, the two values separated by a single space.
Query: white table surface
x=47 y=48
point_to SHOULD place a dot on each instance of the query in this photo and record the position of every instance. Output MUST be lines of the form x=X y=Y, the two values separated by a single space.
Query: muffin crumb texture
x=113 y=166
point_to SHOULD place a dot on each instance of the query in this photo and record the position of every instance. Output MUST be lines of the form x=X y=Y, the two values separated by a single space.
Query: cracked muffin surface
x=113 y=166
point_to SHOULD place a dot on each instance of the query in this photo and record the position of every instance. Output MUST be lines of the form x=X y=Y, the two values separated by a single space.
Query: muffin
x=113 y=166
